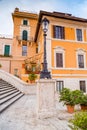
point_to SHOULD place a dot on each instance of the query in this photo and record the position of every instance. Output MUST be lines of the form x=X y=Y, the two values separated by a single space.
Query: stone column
x=46 y=106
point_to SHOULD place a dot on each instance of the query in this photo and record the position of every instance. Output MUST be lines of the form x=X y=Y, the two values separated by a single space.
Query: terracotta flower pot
x=70 y=109
x=83 y=107
x=32 y=81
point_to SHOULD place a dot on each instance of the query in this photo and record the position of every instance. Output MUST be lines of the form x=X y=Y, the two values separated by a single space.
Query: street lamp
x=44 y=73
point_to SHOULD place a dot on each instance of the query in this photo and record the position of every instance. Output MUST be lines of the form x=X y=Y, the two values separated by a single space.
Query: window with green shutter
x=7 y=50
x=25 y=35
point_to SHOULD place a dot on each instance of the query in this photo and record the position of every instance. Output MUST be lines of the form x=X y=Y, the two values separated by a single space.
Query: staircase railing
x=18 y=83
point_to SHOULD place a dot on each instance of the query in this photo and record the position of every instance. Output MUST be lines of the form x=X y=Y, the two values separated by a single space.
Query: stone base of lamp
x=46 y=104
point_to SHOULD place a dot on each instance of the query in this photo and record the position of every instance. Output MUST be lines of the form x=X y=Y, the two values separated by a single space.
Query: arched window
x=25 y=35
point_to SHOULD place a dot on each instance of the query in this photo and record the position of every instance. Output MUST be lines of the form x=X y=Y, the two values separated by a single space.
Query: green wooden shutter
x=7 y=50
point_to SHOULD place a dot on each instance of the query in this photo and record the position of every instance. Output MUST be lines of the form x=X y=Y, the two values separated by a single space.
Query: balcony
x=24 y=41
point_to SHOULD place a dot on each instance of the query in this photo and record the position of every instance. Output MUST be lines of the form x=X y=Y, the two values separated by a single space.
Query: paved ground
x=22 y=116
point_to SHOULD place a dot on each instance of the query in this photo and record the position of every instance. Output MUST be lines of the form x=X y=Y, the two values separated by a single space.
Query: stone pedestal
x=46 y=106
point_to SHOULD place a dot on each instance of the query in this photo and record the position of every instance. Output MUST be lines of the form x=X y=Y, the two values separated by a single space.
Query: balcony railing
x=28 y=39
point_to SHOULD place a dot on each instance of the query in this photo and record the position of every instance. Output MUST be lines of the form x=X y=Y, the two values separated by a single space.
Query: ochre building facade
x=66 y=46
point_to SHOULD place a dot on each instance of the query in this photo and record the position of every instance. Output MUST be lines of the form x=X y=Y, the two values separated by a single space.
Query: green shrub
x=83 y=100
x=79 y=122
x=76 y=96
x=32 y=77
x=65 y=96
x=70 y=97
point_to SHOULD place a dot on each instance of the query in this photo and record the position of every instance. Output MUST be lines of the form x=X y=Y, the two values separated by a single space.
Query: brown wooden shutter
x=62 y=33
x=53 y=31
x=57 y=57
x=60 y=60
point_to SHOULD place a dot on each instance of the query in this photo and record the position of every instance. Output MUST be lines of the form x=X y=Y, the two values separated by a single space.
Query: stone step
x=10 y=102
x=8 y=94
x=6 y=86
x=1 y=93
x=5 y=89
x=9 y=97
x=3 y=81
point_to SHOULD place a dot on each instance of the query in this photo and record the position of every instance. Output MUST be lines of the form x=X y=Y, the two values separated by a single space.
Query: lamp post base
x=44 y=75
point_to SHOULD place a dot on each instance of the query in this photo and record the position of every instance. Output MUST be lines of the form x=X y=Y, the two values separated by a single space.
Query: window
x=82 y=86
x=58 y=32
x=79 y=34
x=36 y=49
x=7 y=50
x=25 y=22
x=24 y=50
x=59 y=60
x=33 y=68
x=81 y=61
x=25 y=35
x=15 y=72
x=59 y=85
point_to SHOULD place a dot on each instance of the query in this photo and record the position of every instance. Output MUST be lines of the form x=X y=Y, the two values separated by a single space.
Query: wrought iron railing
x=19 y=38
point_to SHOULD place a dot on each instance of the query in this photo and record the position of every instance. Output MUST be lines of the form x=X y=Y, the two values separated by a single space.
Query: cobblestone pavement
x=22 y=116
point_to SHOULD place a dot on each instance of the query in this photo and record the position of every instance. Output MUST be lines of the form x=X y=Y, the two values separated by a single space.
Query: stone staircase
x=8 y=95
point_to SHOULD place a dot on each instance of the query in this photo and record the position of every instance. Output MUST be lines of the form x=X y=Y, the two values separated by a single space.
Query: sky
x=77 y=8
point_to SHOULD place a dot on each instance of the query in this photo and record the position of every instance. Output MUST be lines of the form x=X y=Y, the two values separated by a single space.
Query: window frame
x=58 y=85
x=25 y=37
x=26 y=21
x=81 y=52
x=58 y=32
x=81 y=87
x=59 y=64
x=5 y=49
x=23 y=51
x=80 y=63
x=78 y=37
x=62 y=51
x=16 y=71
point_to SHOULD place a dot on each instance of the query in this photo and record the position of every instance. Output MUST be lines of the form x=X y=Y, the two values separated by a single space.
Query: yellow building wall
x=70 y=46
x=69 y=33
x=18 y=59
x=85 y=35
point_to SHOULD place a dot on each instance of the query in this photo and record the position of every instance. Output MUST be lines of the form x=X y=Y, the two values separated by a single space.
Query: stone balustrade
x=18 y=83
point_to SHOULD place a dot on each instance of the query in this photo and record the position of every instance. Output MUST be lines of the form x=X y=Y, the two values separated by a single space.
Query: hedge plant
x=79 y=122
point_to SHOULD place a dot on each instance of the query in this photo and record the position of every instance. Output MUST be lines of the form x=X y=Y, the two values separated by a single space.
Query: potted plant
x=83 y=102
x=79 y=121
x=70 y=98
x=66 y=97
x=32 y=77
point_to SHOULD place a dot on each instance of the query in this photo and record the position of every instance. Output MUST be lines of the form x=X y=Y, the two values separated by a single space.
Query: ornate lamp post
x=44 y=73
